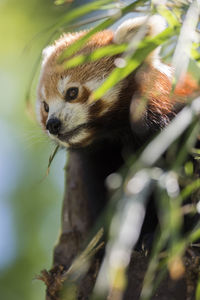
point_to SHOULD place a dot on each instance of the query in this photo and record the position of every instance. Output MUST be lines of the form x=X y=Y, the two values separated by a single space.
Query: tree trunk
x=84 y=199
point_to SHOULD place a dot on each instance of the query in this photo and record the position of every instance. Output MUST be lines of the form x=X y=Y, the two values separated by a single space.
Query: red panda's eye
x=71 y=94
x=46 y=106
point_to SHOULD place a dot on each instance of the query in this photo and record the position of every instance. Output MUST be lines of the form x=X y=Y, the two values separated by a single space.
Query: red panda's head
x=62 y=98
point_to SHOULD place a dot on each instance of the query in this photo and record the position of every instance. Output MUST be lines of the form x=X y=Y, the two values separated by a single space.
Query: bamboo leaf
x=194 y=235
x=189 y=189
x=79 y=263
x=181 y=55
x=110 y=21
x=51 y=158
x=81 y=11
x=195 y=54
x=145 y=47
x=109 y=50
x=60 y=2
x=169 y=16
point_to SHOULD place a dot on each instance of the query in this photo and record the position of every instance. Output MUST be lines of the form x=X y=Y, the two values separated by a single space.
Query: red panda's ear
x=148 y=26
x=139 y=27
x=46 y=52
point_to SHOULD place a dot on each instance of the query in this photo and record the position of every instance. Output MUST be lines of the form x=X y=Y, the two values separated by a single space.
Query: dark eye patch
x=46 y=106
x=71 y=94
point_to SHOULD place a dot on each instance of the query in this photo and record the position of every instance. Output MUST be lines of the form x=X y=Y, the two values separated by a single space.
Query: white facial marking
x=70 y=114
x=62 y=84
x=55 y=106
x=53 y=137
x=74 y=114
x=93 y=84
x=43 y=92
x=79 y=137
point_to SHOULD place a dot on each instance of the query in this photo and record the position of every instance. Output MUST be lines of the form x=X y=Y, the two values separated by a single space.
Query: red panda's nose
x=53 y=125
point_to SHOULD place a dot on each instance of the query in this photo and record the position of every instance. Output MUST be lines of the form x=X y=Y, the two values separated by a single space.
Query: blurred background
x=29 y=204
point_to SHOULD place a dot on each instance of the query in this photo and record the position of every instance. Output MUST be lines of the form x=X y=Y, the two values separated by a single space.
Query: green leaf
x=189 y=189
x=51 y=158
x=60 y=2
x=168 y=15
x=195 y=235
x=110 y=21
x=81 y=11
x=109 y=50
x=145 y=47
x=189 y=168
x=195 y=54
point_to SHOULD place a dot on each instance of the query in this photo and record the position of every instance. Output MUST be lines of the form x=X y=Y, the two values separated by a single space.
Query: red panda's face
x=64 y=109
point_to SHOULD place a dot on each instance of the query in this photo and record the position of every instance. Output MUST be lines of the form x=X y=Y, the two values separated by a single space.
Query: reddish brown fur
x=186 y=86
x=156 y=87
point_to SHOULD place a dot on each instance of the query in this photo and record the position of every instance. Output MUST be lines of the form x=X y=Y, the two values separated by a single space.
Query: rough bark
x=83 y=200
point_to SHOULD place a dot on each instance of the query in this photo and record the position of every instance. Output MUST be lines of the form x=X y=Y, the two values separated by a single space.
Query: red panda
x=64 y=109
x=100 y=134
